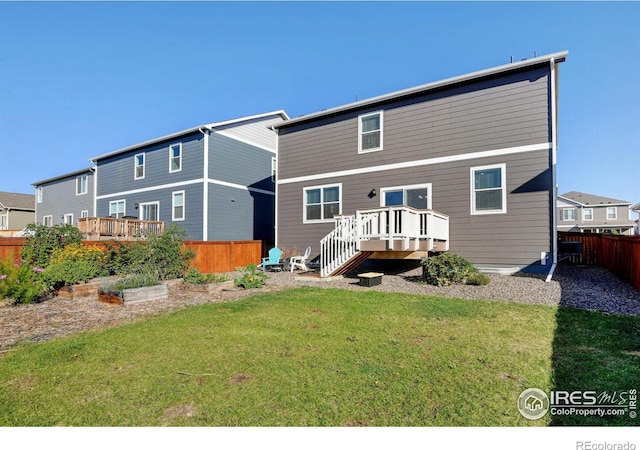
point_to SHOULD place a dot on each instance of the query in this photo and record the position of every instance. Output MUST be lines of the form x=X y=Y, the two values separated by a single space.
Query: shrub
x=478 y=279
x=164 y=255
x=43 y=241
x=251 y=277
x=446 y=269
x=21 y=282
x=194 y=276
x=75 y=263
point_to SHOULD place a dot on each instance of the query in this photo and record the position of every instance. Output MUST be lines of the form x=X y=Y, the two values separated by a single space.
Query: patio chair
x=300 y=261
x=273 y=261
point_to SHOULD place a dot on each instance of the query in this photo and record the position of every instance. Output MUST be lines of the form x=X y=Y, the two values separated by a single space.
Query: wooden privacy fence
x=211 y=256
x=620 y=255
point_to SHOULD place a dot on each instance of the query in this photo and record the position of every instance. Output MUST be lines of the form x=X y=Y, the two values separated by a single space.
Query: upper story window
x=370 y=132
x=39 y=194
x=175 y=158
x=612 y=213
x=139 y=166
x=488 y=189
x=81 y=184
x=568 y=214
x=321 y=203
x=587 y=214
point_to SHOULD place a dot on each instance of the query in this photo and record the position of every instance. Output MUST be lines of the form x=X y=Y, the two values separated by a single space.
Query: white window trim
x=503 y=173
x=4 y=221
x=173 y=206
x=124 y=209
x=574 y=215
x=321 y=187
x=65 y=216
x=405 y=188
x=135 y=166
x=39 y=194
x=584 y=214
x=84 y=213
x=44 y=220
x=363 y=116
x=140 y=205
x=79 y=185
x=615 y=211
x=179 y=145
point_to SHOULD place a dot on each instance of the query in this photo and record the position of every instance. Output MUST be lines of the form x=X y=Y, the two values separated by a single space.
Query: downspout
x=275 y=182
x=205 y=186
x=554 y=136
x=95 y=191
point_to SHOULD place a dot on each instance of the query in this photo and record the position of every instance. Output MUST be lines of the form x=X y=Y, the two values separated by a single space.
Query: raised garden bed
x=80 y=290
x=208 y=288
x=134 y=295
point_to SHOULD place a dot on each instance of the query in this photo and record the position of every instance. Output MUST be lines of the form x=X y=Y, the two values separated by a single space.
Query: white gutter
x=205 y=186
x=554 y=144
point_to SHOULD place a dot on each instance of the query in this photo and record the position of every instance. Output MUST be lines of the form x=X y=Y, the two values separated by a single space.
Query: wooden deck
x=108 y=228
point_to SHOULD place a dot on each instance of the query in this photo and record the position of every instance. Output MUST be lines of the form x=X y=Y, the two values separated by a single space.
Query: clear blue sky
x=82 y=79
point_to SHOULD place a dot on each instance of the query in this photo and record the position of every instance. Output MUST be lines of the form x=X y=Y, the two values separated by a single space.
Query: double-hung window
x=587 y=214
x=321 y=203
x=175 y=158
x=116 y=209
x=612 y=213
x=488 y=189
x=138 y=166
x=47 y=221
x=177 y=205
x=370 y=132
x=569 y=214
x=81 y=184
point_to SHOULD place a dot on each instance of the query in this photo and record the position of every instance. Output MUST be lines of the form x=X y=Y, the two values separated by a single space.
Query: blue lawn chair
x=273 y=261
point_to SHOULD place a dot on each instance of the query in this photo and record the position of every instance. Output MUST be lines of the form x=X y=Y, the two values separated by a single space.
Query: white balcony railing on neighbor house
x=96 y=228
x=403 y=228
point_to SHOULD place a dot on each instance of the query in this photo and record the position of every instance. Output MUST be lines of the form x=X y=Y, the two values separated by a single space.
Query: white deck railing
x=95 y=228
x=392 y=223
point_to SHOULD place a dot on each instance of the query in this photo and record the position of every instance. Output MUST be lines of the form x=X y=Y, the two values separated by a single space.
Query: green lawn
x=318 y=357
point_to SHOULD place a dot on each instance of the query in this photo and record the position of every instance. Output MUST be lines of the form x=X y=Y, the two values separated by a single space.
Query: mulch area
x=58 y=316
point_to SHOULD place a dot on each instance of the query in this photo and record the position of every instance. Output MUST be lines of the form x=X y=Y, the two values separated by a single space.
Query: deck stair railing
x=394 y=224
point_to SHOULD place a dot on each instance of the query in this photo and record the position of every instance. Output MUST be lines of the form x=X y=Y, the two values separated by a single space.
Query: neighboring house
x=66 y=198
x=587 y=213
x=636 y=209
x=16 y=211
x=216 y=180
x=465 y=164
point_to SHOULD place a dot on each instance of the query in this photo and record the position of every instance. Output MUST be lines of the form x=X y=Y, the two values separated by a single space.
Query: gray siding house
x=216 y=180
x=66 y=198
x=16 y=212
x=587 y=213
x=465 y=164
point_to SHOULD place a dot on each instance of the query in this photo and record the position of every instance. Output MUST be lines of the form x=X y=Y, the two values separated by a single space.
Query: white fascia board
x=568 y=200
x=556 y=57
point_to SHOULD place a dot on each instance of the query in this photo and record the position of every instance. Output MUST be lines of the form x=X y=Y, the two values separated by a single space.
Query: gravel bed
x=589 y=288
